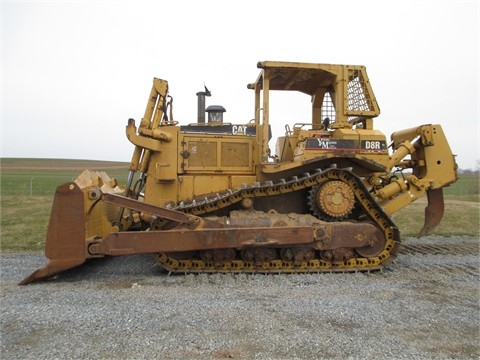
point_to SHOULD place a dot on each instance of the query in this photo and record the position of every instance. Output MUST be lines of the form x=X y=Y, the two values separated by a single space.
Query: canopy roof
x=303 y=77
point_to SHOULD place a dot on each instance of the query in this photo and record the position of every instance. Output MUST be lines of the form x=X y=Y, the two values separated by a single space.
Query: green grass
x=462 y=211
x=27 y=189
x=460 y=218
x=28 y=186
x=40 y=177
x=466 y=188
x=24 y=222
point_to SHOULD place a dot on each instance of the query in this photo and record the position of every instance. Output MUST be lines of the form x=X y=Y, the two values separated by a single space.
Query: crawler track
x=367 y=209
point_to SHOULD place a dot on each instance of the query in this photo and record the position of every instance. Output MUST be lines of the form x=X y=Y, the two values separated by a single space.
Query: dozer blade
x=433 y=211
x=65 y=243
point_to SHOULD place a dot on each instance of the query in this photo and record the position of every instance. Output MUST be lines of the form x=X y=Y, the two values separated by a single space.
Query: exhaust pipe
x=201 y=104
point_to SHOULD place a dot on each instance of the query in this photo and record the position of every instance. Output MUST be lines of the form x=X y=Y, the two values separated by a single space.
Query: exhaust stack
x=201 y=104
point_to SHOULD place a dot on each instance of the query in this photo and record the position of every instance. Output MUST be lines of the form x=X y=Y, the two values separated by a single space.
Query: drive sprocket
x=332 y=200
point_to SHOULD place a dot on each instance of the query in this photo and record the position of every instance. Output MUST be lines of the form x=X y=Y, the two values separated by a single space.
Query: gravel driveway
x=426 y=305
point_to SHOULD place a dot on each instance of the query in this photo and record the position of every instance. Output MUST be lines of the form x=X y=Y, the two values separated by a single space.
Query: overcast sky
x=73 y=72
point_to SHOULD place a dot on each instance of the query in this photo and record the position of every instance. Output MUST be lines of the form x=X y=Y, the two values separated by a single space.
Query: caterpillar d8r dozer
x=211 y=197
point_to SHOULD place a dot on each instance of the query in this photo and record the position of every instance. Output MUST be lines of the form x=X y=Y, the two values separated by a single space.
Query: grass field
x=40 y=177
x=28 y=186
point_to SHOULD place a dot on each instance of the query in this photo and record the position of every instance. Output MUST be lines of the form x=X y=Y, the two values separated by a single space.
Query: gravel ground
x=426 y=305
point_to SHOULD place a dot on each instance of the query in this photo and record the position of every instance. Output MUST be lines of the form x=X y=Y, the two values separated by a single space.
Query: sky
x=73 y=72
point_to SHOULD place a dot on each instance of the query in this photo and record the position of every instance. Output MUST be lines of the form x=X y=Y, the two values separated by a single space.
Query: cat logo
x=239 y=130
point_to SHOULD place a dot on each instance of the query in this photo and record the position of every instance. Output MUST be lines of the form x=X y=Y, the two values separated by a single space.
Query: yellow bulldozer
x=212 y=196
